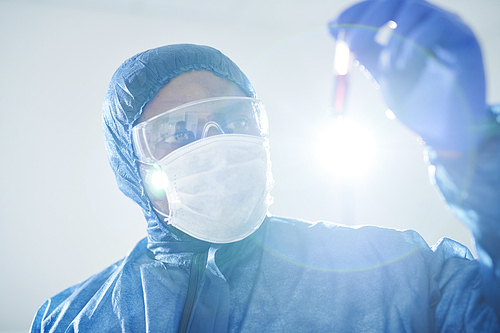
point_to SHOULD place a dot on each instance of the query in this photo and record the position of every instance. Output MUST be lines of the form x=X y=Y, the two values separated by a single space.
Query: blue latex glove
x=431 y=71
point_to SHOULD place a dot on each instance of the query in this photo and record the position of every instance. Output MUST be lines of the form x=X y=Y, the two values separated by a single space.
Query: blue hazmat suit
x=289 y=275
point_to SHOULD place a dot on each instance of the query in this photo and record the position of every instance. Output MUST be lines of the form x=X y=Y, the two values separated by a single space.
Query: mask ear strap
x=164 y=216
x=208 y=126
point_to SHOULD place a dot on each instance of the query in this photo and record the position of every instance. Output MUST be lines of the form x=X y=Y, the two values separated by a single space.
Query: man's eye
x=237 y=126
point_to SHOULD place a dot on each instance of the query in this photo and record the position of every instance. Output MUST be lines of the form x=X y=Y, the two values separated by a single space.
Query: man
x=214 y=262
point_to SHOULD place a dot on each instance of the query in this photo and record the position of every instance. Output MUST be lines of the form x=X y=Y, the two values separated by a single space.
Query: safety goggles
x=157 y=137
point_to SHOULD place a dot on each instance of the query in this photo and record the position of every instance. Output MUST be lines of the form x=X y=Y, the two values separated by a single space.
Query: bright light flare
x=159 y=180
x=346 y=148
x=385 y=33
x=341 y=58
x=389 y=114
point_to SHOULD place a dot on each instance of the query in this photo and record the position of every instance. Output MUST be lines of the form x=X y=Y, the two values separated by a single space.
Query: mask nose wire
x=208 y=126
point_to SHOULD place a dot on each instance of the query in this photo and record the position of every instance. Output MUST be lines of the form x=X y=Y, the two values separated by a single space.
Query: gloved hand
x=430 y=73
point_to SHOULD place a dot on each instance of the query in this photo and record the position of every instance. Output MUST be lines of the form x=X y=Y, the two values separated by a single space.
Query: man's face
x=187 y=87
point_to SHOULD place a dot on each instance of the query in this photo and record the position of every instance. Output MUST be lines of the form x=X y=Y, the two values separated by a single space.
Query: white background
x=62 y=217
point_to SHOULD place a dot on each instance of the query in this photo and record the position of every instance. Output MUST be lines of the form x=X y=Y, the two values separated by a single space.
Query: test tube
x=340 y=70
x=342 y=62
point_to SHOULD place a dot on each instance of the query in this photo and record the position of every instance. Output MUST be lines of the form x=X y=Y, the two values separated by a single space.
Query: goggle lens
x=159 y=136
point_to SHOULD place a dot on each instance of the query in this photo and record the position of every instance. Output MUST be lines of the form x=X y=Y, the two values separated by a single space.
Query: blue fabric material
x=431 y=75
x=289 y=276
x=432 y=53
x=470 y=185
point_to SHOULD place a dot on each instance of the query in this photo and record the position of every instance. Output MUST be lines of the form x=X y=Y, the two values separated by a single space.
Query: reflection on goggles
x=157 y=137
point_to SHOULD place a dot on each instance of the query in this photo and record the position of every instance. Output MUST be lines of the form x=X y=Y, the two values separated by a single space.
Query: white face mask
x=218 y=188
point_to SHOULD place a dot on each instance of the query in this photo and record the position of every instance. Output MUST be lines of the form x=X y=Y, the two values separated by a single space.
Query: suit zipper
x=197 y=268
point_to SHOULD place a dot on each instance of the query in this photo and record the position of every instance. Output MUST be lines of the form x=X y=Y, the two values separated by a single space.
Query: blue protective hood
x=131 y=87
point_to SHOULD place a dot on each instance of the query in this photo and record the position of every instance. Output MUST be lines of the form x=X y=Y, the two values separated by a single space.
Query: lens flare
x=346 y=148
x=159 y=180
x=389 y=114
x=341 y=58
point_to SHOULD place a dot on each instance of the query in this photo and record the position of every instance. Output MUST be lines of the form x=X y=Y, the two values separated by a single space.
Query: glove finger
x=420 y=41
x=412 y=13
x=419 y=28
x=437 y=33
x=405 y=58
x=454 y=85
x=422 y=27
